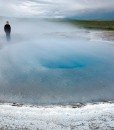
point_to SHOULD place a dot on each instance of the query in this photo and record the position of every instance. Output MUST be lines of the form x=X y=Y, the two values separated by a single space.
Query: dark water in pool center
x=55 y=67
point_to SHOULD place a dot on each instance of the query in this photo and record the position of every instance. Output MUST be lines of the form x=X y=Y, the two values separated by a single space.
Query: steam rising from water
x=49 y=62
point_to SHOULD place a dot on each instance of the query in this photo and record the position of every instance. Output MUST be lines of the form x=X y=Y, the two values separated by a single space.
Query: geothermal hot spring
x=50 y=62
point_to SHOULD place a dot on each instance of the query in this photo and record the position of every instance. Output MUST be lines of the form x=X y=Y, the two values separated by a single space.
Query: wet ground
x=90 y=117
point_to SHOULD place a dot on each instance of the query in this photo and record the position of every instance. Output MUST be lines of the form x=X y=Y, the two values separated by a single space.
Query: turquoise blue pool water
x=55 y=63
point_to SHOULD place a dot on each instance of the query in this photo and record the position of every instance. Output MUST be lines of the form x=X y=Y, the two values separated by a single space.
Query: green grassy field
x=106 y=25
x=90 y=24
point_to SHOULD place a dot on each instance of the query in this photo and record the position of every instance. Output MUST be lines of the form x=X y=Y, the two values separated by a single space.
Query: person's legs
x=8 y=36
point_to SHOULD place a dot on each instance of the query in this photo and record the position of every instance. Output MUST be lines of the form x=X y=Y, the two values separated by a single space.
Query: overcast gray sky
x=50 y=8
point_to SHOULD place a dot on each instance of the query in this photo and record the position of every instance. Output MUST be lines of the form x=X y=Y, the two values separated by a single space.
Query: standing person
x=7 y=29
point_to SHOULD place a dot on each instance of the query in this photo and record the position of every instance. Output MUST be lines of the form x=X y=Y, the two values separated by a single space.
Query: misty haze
x=54 y=62
x=56 y=65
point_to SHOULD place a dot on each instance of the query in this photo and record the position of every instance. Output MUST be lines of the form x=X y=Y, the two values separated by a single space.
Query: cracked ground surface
x=90 y=117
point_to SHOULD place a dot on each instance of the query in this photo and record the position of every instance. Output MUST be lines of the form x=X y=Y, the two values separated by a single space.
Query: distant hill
x=99 y=14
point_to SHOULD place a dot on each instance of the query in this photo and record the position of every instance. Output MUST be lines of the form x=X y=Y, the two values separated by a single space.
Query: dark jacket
x=7 y=28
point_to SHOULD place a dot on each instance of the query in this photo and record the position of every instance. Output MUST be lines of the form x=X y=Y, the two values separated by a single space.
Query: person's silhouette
x=7 y=29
